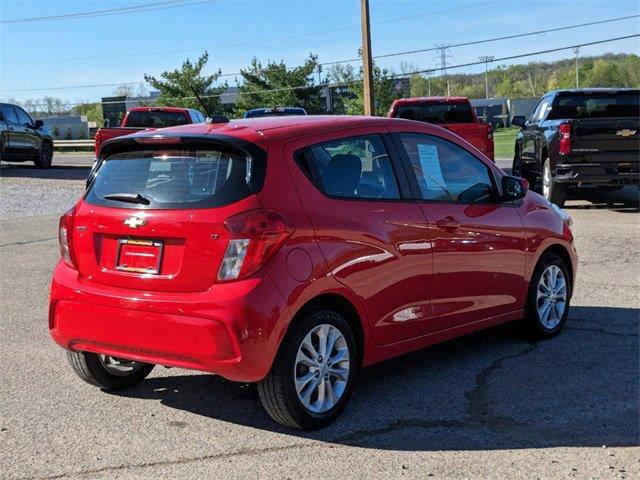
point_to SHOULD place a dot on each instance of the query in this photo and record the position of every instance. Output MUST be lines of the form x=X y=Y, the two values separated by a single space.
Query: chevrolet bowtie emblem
x=625 y=132
x=134 y=222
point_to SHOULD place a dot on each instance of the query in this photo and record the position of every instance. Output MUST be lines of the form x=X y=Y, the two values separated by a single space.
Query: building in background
x=115 y=108
x=69 y=127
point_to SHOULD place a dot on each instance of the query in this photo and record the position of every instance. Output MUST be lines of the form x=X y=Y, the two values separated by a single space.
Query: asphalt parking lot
x=488 y=405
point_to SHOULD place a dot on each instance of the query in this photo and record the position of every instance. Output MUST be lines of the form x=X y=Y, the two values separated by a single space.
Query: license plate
x=139 y=256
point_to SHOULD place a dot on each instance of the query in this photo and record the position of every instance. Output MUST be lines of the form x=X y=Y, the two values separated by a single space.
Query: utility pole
x=576 y=52
x=442 y=59
x=367 y=74
x=428 y=73
x=486 y=59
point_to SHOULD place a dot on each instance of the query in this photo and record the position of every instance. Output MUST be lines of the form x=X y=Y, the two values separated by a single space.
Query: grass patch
x=504 y=140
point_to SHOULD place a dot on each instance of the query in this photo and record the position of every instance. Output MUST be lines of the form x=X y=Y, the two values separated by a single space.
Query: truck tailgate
x=605 y=135
x=477 y=134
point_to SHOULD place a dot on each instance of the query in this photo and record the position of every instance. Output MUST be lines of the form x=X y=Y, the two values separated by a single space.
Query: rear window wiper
x=128 y=197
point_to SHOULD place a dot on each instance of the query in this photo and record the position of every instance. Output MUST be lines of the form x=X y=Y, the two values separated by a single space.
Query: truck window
x=8 y=114
x=596 y=105
x=441 y=112
x=153 y=119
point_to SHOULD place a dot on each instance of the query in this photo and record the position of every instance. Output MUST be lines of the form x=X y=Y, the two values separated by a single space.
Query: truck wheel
x=518 y=170
x=313 y=374
x=106 y=372
x=547 y=304
x=552 y=190
x=45 y=156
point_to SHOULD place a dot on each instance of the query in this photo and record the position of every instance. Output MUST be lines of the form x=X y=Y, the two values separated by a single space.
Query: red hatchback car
x=291 y=251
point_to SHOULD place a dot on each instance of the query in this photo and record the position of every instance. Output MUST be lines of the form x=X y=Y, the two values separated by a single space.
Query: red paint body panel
x=412 y=280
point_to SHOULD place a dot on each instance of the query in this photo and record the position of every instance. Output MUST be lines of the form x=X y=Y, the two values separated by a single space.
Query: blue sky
x=61 y=53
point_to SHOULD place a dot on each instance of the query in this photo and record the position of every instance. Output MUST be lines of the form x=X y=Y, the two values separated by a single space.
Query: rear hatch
x=153 y=219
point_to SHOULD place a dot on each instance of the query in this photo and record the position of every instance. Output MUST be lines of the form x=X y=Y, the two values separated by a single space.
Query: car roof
x=405 y=101
x=158 y=109
x=273 y=128
x=594 y=90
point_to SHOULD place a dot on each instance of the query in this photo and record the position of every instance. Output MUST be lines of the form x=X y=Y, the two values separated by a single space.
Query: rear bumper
x=232 y=330
x=605 y=173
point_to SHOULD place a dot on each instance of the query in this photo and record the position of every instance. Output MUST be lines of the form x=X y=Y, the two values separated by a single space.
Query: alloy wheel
x=551 y=298
x=322 y=368
x=119 y=366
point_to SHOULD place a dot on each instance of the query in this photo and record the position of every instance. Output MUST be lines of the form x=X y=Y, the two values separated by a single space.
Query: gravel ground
x=489 y=405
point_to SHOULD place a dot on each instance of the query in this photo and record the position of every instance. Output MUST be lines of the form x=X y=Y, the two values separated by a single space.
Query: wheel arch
x=345 y=308
x=562 y=252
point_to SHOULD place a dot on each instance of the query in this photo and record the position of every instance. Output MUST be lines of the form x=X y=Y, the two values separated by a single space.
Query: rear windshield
x=171 y=179
x=437 y=112
x=595 y=105
x=155 y=119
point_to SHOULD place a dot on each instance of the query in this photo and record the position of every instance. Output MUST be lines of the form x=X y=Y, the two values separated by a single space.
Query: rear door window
x=9 y=114
x=172 y=179
x=355 y=167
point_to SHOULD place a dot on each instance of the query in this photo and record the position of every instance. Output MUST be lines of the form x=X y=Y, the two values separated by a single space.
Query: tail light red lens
x=97 y=140
x=65 y=238
x=565 y=139
x=255 y=238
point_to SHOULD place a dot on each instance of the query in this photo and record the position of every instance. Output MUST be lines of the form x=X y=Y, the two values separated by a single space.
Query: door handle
x=449 y=224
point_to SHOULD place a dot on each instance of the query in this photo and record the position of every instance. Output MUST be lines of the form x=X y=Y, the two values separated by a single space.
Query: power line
x=494 y=39
x=248 y=43
x=113 y=11
x=416 y=72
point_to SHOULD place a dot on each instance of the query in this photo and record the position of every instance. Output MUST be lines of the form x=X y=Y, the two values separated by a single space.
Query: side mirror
x=38 y=124
x=519 y=120
x=513 y=188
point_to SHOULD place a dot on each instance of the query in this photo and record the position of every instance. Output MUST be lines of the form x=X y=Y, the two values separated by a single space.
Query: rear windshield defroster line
x=189 y=176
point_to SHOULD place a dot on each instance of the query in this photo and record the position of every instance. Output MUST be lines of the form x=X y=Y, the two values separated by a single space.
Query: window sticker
x=430 y=164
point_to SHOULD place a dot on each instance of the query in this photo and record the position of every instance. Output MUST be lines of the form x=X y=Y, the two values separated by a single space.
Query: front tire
x=312 y=377
x=552 y=190
x=548 y=298
x=518 y=170
x=45 y=156
x=106 y=372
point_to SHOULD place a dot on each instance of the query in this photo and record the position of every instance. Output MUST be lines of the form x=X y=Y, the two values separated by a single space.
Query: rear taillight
x=565 y=139
x=65 y=237
x=490 y=133
x=96 y=143
x=255 y=237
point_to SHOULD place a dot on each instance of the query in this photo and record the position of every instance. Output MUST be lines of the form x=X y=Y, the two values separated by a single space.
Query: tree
x=177 y=87
x=124 y=90
x=93 y=112
x=385 y=91
x=275 y=85
x=54 y=106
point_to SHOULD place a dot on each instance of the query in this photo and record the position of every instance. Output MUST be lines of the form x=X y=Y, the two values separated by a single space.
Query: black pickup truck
x=580 y=137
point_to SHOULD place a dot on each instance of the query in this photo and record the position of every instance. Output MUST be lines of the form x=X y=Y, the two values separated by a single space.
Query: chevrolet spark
x=292 y=251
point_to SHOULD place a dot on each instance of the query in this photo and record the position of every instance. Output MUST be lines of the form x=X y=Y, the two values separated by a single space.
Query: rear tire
x=301 y=382
x=552 y=190
x=101 y=371
x=45 y=156
x=548 y=298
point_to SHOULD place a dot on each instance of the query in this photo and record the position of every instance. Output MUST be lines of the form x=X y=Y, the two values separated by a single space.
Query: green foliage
x=274 y=85
x=350 y=99
x=93 y=112
x=176 y=86
x=534 y=79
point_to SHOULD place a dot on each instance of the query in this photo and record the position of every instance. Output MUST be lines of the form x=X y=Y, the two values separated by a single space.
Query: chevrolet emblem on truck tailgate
x=625 y=132
x=134 y=222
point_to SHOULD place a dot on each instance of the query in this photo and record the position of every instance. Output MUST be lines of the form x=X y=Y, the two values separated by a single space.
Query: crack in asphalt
x=604 y=332
x=248 y=451
x=41 y=240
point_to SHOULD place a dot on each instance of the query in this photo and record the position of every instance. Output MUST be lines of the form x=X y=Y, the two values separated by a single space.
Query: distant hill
x=535 y=78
